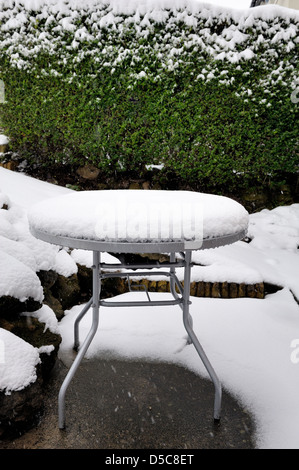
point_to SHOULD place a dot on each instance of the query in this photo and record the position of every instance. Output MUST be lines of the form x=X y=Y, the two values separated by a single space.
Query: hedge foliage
x=207 y=92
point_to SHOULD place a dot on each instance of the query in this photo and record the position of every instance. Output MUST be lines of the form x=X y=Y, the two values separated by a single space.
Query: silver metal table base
x=181 y=298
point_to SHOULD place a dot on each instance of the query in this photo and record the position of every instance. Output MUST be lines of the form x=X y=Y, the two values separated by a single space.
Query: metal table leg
x=94 y=303
x=77 y=321
x=187 y=319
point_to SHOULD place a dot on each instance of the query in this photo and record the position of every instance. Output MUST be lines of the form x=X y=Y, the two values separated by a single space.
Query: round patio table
x=139 y=221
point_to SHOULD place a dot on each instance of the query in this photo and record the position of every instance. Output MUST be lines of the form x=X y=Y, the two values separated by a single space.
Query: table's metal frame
x=181 y=298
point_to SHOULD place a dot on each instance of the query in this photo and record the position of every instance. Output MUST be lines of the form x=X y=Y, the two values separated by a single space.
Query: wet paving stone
x=117 y=404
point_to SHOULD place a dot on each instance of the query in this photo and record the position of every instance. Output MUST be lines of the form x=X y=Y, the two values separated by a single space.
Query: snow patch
x=18 y=362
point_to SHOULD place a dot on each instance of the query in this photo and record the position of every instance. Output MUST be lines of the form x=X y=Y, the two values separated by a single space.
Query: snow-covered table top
x=138 y=220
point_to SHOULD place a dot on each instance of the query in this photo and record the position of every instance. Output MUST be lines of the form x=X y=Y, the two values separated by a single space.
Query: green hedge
x=202 y=90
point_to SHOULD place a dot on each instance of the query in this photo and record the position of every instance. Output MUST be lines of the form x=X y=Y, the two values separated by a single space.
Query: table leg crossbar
x=181 y=298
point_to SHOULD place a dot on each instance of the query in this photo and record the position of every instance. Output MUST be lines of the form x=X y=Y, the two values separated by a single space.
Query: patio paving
x=117 y=404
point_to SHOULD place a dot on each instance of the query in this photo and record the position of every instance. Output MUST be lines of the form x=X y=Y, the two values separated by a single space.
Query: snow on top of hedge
x=40 y=21
x=129 y=7
x=151 y=37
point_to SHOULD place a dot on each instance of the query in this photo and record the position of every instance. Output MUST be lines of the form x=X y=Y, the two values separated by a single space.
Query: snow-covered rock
x=18 y=362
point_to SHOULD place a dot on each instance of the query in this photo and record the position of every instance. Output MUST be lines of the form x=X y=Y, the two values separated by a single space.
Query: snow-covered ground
x=253 y=344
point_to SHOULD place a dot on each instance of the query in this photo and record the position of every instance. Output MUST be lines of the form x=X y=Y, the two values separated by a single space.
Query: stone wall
x=215 y=290
x=89 y=177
